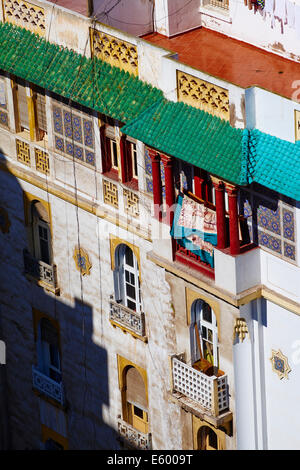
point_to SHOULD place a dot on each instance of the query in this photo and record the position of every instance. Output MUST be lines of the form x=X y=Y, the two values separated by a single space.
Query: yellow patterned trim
x=48 y=433
x=123 y=364
x=115 y=51
x=28 y=199
x=37 y=316
x=42 y=161
x=191 y=296
x=115 y=242
x=197 y=424
x=25 y=14
x=203 y=95
x=85 y=205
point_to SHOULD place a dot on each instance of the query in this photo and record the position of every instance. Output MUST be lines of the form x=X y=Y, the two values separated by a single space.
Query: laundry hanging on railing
x=195 y=228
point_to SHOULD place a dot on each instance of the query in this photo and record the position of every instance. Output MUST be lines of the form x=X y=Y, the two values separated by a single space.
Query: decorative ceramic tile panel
x=42 y=161
x=148 y=171
x=115 y=51
x=203 y=95
x=110 y=193
x=73 y=133
x=23 y=152
x=280 y=364
x=82 y=261
x=26 y=15
x=271 y=223
x=131 y=202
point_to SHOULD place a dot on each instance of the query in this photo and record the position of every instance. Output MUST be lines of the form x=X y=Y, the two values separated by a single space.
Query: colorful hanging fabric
x=195 y=228
x=261 y=3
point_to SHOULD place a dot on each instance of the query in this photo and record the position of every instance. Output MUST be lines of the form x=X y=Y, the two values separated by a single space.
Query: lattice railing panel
x=204 y=95
x=23 y=152
x=26 y=15
x=39 y=270
x=223 y=396
x=110 y=193
x=131 y=202
x=115 y=51
x=192 y=383
x=134 y=437
x=47 y=386
x=200 y=387
x=42 y=161
x=128 y=318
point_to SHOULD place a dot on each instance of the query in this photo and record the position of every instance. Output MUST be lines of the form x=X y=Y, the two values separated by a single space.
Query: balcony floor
x=231 y=60
x=193 y=407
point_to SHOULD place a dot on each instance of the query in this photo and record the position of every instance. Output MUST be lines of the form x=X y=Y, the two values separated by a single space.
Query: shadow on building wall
x=28 y=411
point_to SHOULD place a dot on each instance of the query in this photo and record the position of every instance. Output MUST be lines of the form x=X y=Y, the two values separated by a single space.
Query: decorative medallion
x=280 y=364
x=4 y=221
x=240 y=328
x=82 y=261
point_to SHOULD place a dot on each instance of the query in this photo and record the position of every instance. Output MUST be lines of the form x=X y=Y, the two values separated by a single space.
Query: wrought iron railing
x=47 y=386
x=210 y=392
x=128 y=318
x=133 y=437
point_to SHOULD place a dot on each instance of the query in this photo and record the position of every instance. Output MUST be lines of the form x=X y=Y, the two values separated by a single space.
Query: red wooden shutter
x=105 y=150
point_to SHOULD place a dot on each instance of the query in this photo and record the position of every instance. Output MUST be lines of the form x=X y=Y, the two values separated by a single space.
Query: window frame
x=4 y=107
x=123 y=273
x=76 y=111
x=197 y=311
x=44 y=360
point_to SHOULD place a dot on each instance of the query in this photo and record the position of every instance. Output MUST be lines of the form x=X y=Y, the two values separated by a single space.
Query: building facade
x=149 y=211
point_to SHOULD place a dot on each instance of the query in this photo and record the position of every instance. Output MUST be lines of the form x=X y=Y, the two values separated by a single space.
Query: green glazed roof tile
x=274 y=163
x=90 y=82
x=191 y=135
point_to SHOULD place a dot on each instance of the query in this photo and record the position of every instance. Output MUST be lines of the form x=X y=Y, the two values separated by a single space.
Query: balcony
x=41 y=272
x=133 y=437
x=198 y=392
x=48 y=387
x=192 y=260
x=128 y=320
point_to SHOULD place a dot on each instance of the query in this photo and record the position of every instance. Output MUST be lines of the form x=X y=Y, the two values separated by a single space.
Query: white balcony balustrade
x=47 y=386
x=127 y=318
x=133 y=437
x=40 y=271
x=211 y=393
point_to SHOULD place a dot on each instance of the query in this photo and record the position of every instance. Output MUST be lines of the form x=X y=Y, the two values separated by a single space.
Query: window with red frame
x=109 y=149
x=129 y=162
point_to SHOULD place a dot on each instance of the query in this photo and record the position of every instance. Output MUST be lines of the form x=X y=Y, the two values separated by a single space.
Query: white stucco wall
x=254 y=28
x=133 y=16
x=271 y=113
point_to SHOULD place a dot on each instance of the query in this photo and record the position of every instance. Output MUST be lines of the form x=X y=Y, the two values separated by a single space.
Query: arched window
x=48 y=350
x=126 y=278
x=204 y=334
x=207 y=439
x=41 y=233
x=136 y=400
